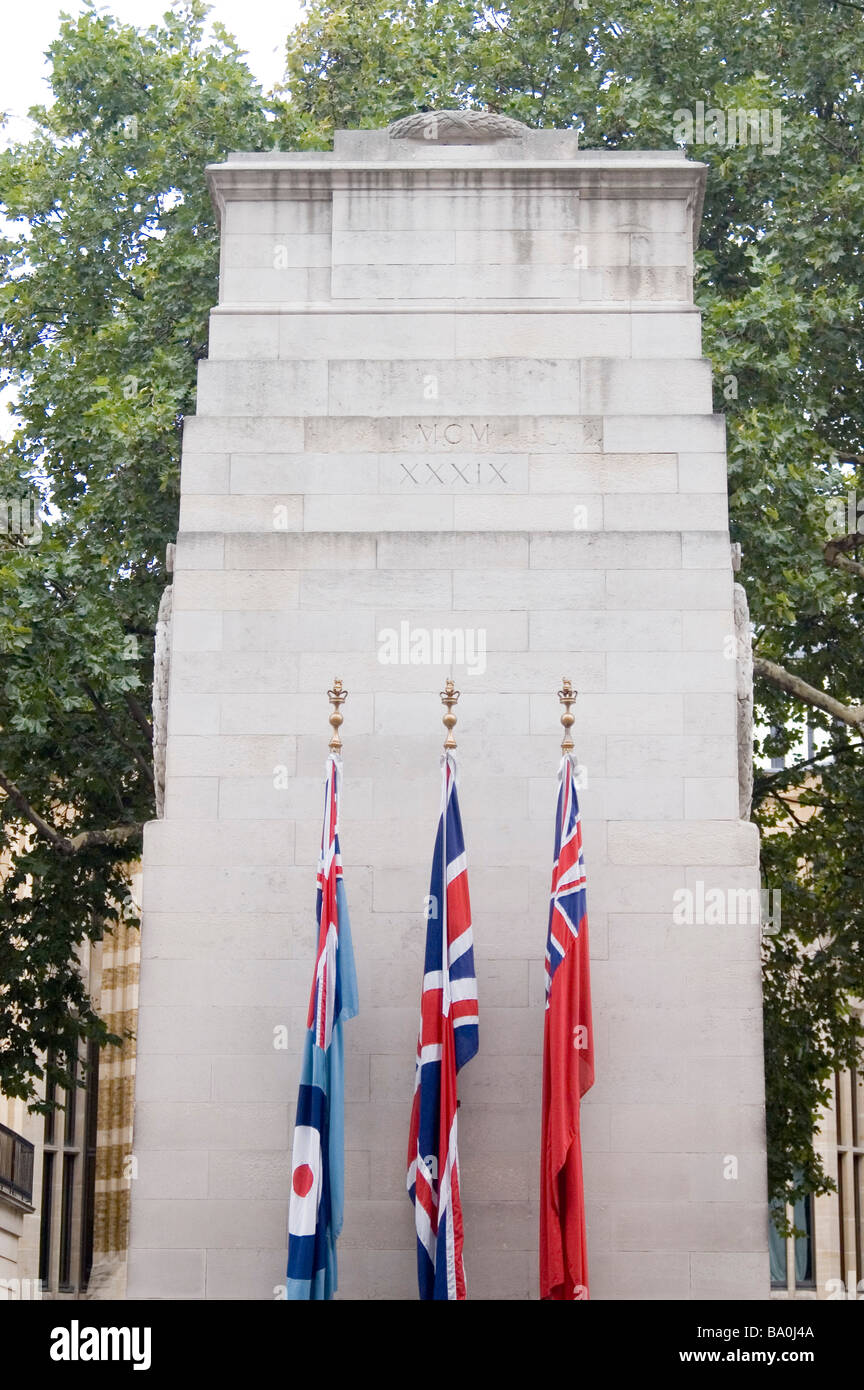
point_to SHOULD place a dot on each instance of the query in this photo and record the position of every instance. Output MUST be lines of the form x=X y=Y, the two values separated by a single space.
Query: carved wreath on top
x=457 y=128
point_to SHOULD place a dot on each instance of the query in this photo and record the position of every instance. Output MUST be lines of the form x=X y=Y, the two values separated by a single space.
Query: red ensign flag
x=568 y=1058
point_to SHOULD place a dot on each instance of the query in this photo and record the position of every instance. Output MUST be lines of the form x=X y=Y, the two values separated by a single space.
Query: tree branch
x=144 y=763
x=846 y=151
x=794 y=685
x=115 y=835
x=834 y=553
x=27 y=811
x=139 y=715
x=790 y=807
x=769 y=780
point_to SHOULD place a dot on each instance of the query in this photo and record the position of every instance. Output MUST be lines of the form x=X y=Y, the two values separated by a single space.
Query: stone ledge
x=657 y=174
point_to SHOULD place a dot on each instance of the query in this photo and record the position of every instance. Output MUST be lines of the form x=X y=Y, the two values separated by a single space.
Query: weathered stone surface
x=455 y=395
x=161 y=671
x=744 y=692
x=457 y=127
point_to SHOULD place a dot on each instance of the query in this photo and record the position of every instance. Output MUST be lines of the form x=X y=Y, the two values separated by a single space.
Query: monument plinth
x=454 y=420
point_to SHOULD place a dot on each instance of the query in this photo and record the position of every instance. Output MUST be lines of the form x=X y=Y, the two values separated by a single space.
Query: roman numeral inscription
x=475 y=472
x=452 y=434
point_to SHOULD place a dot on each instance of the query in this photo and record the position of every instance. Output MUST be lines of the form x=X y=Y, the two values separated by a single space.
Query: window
x=69 y=1183
x=67 y=1207
x=88 y=1176
x=802 y=1218
x=792 y=1258
x=777 y=1249
x=777 y=763
x=45 y=1228
x=849 y=1105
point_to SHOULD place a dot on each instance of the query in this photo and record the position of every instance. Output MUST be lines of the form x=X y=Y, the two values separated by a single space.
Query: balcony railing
x=16 y=1165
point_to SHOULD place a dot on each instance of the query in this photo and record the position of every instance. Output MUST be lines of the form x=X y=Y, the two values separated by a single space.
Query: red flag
x=568 y=1058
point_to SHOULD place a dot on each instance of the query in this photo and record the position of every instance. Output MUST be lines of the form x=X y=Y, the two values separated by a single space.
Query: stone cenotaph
x=454 y=420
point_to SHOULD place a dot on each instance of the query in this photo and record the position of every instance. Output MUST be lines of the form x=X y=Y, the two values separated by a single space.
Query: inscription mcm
x=454 y=435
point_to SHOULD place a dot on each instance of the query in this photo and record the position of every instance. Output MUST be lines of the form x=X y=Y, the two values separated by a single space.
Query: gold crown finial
x=449 y=697
x=567 y=696
x=337 y=697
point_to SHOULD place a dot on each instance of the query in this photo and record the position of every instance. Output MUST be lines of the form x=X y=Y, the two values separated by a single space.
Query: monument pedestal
x=454 y=420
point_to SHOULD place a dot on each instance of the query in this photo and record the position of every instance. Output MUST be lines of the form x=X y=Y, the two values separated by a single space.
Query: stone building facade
x=72 y=1231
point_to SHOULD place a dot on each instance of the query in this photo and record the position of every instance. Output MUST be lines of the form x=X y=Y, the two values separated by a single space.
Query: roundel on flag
x=305 y=1181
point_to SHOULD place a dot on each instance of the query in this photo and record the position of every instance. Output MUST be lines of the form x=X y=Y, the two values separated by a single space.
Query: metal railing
x=16 y=1165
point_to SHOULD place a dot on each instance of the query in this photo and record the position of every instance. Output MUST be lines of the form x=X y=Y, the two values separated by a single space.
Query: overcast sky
x=260 y=27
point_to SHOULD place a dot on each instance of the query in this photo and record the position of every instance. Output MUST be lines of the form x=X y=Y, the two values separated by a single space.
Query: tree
x=778 y=280
x=109 y=271
x=107 y=295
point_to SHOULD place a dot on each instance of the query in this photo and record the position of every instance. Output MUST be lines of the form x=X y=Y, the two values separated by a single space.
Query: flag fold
x=318 y=1158
x=568 y=1058
x=448 y=1038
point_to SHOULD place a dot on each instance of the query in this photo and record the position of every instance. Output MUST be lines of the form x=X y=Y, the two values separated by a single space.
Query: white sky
x=259 y=26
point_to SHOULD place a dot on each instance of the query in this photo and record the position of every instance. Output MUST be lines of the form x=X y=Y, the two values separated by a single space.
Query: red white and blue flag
x=448 y=1038
x=568 y=1058
x=318 y=1159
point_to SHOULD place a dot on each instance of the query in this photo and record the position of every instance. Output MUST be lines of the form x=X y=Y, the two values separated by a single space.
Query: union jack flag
x=567 y=904
x=448 y=1038
x=322 y=1001
x=318 y=1158
x=568 y=1058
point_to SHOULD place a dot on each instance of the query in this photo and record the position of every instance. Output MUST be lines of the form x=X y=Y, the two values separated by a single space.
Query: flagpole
x=317 y=1197
x=563 y=1257
x=449 y=697
x=567 y=696
x=337 y=697
x=446 y=1041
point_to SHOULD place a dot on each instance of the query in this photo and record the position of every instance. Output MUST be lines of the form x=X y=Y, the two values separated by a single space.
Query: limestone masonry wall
x=455 y=388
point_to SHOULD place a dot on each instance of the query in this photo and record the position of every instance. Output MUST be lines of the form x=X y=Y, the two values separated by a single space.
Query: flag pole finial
x=337 y=697
x=567 y=696
x=449 y=697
